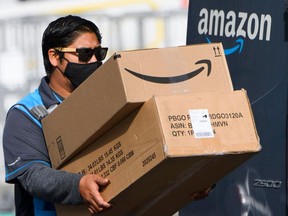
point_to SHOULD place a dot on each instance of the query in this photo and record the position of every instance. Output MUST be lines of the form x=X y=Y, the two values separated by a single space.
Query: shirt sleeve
x=52 y=185
x=27 y=161
x=23 y=144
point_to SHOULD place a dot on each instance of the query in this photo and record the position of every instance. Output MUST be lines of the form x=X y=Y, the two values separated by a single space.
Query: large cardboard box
x=123 y=83
x=172 y=146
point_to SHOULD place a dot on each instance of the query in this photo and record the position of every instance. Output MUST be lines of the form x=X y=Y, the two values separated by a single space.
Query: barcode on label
x=203 y=134
x=61 y=147
x=201 y=123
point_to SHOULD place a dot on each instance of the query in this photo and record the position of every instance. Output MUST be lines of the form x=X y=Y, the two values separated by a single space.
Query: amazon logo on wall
x=240 y=26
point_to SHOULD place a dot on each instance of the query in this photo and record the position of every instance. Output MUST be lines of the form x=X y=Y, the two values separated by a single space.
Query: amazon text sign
x=232 y=24
x=126 y=81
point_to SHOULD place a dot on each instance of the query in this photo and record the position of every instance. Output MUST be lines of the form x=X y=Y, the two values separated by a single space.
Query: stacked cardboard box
x=159 y=123
x=125 y=82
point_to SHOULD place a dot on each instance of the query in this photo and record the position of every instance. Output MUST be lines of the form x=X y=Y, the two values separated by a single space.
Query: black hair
x=63 y=32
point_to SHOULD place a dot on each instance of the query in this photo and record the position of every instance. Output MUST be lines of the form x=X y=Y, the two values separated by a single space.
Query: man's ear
x=53 y=57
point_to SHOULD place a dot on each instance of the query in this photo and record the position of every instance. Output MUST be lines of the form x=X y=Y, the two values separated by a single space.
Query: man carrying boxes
x=160 y=124
x=115 y=94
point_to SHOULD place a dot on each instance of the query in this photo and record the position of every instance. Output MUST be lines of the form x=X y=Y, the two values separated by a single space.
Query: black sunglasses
x=85 y=54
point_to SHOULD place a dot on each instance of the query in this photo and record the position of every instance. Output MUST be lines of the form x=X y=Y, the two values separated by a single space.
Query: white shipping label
x=201 y=123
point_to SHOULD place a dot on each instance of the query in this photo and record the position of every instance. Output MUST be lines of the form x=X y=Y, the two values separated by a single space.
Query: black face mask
x=78 y=73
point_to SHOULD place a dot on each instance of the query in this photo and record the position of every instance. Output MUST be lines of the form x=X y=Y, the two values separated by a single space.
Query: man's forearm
x=52 y=185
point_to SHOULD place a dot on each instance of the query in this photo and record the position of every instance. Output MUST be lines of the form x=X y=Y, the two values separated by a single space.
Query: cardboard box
x=123 y=83
x=153 y=157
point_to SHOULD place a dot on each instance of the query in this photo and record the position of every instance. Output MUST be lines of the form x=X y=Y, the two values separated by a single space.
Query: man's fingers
x=201 y=194
x=99 y=201
x=91 y=209
x=89 y=187
x=94 y=209
x=102 y=181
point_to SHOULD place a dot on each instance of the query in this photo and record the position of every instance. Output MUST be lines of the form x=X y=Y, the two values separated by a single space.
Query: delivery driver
x=71 y=48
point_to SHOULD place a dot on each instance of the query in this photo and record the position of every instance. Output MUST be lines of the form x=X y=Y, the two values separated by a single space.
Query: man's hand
x=201 y=194
x=89 y=188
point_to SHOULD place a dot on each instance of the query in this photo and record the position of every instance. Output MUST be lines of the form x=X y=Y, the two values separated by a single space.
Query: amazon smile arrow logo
x=174 y=79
